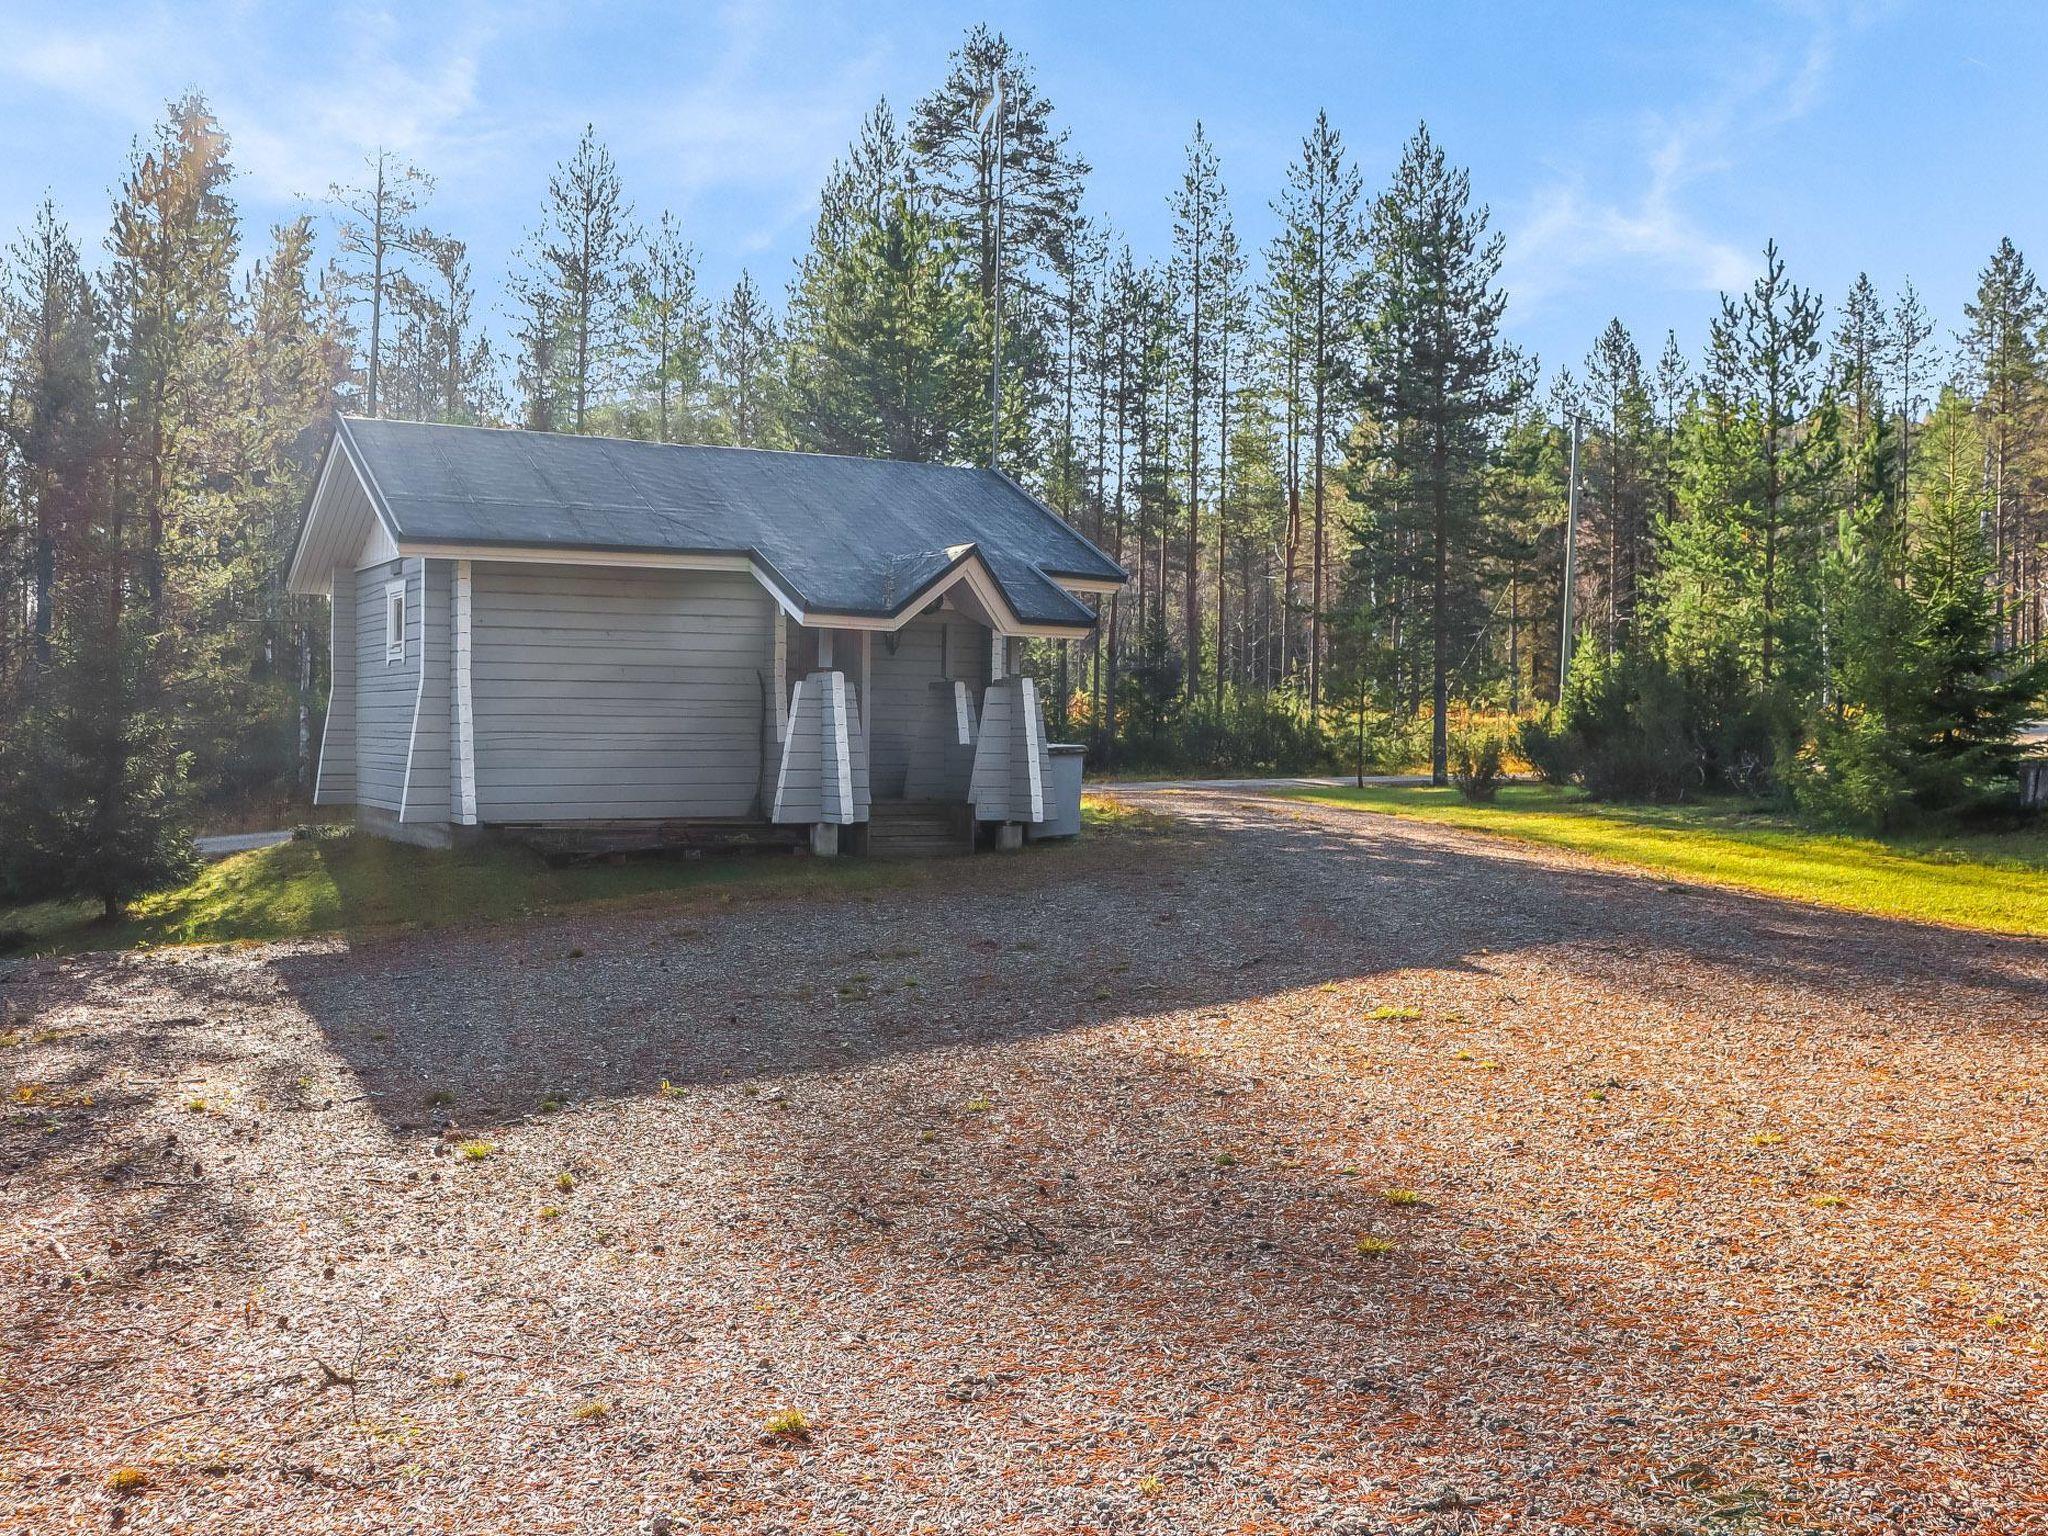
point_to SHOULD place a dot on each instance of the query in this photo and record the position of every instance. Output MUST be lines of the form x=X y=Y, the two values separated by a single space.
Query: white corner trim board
x=781 y=679
x=842 y=746
x=459 y=683
x=334 y=612
x=1034 y=731
x=419 y=696
x=796 y=699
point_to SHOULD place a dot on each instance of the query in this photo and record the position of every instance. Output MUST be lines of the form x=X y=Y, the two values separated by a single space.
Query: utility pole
x=995 y=362
x=1571 y=551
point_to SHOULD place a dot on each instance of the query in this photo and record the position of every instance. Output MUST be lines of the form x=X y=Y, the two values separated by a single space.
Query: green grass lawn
x=1995 y=881
x=358 y=885
x=361 y=885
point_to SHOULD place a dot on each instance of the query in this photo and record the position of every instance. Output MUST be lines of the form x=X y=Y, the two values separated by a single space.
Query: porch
x=918 y=739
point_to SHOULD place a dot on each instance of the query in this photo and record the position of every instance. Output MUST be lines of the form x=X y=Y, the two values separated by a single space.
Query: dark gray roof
x=841 y=535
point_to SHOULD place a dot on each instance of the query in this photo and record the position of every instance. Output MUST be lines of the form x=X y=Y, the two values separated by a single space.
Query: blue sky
x=1636 y=155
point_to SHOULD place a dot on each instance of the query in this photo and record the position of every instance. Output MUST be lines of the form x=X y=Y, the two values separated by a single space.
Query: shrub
x=1548 y=748
x=1633 y=726
x=1476 y=764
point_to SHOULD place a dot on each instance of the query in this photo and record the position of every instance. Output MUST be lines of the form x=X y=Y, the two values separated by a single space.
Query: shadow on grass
x=1996 y=881
x=357 y=886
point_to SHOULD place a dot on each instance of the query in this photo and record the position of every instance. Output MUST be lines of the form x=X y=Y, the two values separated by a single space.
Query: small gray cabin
x=589 y=636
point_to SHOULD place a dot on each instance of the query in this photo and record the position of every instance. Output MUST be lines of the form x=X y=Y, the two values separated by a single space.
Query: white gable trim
x=303 y=582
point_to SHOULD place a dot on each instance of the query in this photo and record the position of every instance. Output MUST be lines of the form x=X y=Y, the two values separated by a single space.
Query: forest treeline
x=1808 y=561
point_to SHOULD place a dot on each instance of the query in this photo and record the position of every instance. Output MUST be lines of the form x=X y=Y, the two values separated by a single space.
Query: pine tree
x=464 y=386
x=1232 y=310
x=50 y=350
x=1311 y=266
x=2005 y=347
x=1929 y=702
x=746 y=358
x=1760 y=459
x=537 y=329
x=1619 y=475
x=1862 y=342
x=1442 y=381
x=378 y=230
x=668 y=331
x=577 y=292
x=1199 y=214
x=174 y=243
x=884 y=364
x=94 y=796
x=957 y=137
x=252 y=653
x=1974 y=693
x=1911 y=328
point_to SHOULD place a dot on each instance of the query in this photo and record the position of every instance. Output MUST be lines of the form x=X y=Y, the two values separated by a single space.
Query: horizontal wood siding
x=912 y=718
x=386 y=691
x=612 y=694
x=335 y=783
x=426 y=784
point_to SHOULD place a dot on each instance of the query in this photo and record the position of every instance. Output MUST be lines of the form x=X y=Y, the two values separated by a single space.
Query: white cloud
x=765 y=115
x=1569 y=237
x=301 y=111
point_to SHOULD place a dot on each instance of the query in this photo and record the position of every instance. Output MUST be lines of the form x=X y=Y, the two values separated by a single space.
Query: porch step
x=908 y=829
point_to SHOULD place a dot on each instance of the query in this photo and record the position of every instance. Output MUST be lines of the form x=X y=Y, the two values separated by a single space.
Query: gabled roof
x=832 y=537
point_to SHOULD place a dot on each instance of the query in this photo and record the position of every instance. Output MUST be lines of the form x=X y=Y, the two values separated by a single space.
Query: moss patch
x=361 y=885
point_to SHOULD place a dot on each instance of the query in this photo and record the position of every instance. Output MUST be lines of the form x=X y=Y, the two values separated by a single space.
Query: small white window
x=394 y=621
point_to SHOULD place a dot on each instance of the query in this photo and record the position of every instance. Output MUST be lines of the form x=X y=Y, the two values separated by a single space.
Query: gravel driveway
x=1286 y=1170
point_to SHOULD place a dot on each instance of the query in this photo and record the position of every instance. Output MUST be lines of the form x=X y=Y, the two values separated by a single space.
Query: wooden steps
x=918 y=829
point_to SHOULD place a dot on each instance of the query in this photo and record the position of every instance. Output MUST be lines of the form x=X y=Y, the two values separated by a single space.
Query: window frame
x=394 y=605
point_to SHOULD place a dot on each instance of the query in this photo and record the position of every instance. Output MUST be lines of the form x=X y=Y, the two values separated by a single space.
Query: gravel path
x=221 y=844
x=1286 y=1170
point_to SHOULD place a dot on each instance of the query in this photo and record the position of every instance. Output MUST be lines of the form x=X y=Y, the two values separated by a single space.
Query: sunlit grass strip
x=1994 y=882
x=361 y=884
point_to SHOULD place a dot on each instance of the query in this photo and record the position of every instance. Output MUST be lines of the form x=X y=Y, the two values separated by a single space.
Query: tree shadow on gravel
x=489 y=1026
x=939 y=1102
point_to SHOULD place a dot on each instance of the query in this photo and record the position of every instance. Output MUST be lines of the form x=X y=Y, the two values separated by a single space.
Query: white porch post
x=867 y=712
x=781 y=678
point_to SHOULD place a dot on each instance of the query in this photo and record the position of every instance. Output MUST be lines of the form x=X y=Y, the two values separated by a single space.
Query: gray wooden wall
x=614 y=694
x=335 y=783
x=426 y=777
x=387 y=692
x=908 y=714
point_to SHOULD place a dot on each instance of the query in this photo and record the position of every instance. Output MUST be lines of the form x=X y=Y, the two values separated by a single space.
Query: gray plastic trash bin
x=1063 y=795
